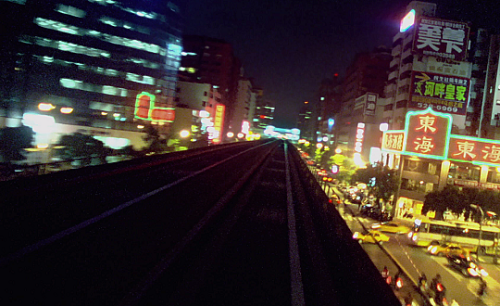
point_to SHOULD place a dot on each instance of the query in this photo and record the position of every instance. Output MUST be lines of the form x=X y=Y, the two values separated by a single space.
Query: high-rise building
x=212 y=61
x=306 y=122
x=362 y=88
x=264 y=112
x=95 y=66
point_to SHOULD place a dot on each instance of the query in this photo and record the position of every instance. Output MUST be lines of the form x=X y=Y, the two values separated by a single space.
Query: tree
x=156 y=142
x=13 y=141
x=450 y=198
x=381 y=180
x=346 y=166
x=81 y=147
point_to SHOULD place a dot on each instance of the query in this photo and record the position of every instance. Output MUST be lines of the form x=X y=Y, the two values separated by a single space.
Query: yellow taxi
x=446 y=248
x=370 y=237
x=391 y=227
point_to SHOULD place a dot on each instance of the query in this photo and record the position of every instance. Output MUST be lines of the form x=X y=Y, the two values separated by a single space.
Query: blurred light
x=184 y=133
x=116 y=115
x=384 y=127
x=204 y=114
x=319 y=145
x=140 y=126
x=338 y=150
x=358 y=161
x=325 y=139
x=104 y=113
x=45 y=107
x=407 y=21
x=42 y=146
x=241 y=135
x=66 y=110
x=230 y=134
x=39 y=123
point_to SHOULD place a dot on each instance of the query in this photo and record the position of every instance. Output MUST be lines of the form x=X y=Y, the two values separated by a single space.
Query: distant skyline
x=289 y=46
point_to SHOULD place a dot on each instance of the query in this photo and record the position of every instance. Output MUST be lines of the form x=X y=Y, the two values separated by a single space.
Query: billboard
x=427 y=133
x=442 y=38
x=447 y=94
x=393 y=141
x=442 y=66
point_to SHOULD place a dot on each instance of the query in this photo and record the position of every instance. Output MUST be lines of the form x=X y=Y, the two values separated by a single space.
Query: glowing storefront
x=430 y=158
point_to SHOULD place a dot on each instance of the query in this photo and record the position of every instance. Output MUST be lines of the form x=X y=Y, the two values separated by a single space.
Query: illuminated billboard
x=407 y=21
x=218 y=122
x=443 y=38
x=447 y=94
x=427 y=133
x=393 y=141
x=146 y=109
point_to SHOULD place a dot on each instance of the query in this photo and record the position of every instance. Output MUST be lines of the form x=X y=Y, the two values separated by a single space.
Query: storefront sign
x=427 y=134
x=478 y=151
x=447 y=94
x=393 y=141
x=443 y=38
x=218 y=122
x=443 y=66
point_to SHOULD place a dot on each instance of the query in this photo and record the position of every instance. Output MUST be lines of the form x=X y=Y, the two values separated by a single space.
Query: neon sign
x=393 y=141
x=407 y=21
x=146 y=109
x=218 y=122
x=360 y=135
x=427 y=133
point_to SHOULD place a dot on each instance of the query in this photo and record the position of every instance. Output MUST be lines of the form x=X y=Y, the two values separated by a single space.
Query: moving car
x=391 y=227
x=466 y=265
x=335 y=199
x=447 y=248
x=370 y=237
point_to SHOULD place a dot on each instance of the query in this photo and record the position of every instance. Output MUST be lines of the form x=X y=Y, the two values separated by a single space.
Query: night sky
x=289 y=46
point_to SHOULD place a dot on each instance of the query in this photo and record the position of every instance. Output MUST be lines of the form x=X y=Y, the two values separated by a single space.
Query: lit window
x=70 y=10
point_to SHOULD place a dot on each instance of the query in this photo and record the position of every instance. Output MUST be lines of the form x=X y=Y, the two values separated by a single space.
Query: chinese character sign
x=447 y=94
x=218 y=122
x=428 y=134
x=371 y=104
x=393 y=141
x=441 y=38
x=476 y=150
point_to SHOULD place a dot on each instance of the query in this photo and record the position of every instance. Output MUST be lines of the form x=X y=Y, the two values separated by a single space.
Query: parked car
x=466 y=265
x=391 y=227
x=370 y=237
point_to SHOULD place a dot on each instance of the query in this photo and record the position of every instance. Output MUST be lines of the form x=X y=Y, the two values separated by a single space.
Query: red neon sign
x=146 y=109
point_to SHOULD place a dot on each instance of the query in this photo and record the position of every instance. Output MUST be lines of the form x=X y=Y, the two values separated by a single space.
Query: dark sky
x=289 y=46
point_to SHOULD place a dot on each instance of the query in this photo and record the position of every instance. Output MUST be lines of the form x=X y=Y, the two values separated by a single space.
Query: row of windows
x=422 y=166
x=144 y=14
x=417 y=186
x=104 y=89
x=142 y=79
x=79 y=49
x=117 y=40
x=124 y=24
x=455 y=231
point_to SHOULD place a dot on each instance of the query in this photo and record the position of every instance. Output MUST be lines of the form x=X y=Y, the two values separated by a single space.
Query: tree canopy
x=381 y=180
x=458 y=201
x=13 y=141
x=82 y=147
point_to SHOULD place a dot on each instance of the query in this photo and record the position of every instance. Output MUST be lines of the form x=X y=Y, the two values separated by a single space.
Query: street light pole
x=477 y=207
